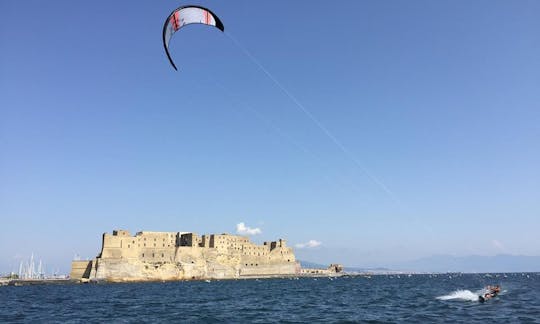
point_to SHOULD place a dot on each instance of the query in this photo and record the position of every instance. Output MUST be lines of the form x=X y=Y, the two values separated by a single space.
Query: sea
x=426 y=298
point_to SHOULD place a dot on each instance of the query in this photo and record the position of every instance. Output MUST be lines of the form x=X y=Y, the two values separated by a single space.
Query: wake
x=461 y=295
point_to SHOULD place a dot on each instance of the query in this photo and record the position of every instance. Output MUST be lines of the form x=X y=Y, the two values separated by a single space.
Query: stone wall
x=181 y=255
x=80 y=269
x=333 y=269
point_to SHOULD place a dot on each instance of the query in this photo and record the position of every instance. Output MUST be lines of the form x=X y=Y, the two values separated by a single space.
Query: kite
x=186 y=15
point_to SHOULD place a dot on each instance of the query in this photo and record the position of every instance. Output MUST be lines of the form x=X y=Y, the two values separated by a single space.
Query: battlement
x=163 y=246
x=121 y=233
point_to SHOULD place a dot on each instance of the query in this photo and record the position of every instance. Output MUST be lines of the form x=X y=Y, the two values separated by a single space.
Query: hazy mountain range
x=449 y=263
x=472 y=263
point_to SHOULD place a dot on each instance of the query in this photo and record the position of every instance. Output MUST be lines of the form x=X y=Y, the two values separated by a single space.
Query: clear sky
x=384 y=130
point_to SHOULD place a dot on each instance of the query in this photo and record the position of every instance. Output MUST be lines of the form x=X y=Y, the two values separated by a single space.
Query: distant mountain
x=307 y=264
x=473 y=263
x=312 y=265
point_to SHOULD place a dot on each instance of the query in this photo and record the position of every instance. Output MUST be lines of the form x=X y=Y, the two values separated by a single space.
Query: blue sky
x=438 y=101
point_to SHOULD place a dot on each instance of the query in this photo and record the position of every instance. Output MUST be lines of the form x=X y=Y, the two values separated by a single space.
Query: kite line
x=314 y=119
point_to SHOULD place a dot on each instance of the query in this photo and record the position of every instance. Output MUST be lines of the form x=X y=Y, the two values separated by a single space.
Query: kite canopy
x=186 y=15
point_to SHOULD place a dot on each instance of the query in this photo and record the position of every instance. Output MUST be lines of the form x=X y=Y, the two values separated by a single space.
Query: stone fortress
x=149 y=256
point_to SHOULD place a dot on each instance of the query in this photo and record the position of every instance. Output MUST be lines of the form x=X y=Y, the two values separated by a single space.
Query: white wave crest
x=460 y=294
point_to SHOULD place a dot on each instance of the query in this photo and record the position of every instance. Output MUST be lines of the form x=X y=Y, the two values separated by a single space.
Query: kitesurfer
x=491 y=291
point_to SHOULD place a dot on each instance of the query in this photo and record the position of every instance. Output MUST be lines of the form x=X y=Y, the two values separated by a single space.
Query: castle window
x=153 y=255
x=154 y=244
x=129 y=246
x=143 y=255
x=162 y=255
x=144 y=244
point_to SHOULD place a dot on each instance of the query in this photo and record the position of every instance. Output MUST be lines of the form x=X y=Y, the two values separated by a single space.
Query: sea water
x=384 y=298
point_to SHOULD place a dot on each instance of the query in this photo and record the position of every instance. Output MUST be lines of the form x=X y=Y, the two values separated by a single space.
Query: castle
x=182 y=255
